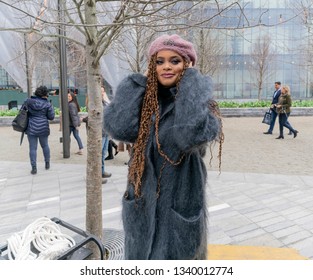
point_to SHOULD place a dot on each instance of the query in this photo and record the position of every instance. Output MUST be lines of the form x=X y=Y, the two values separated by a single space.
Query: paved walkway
x=263 y=197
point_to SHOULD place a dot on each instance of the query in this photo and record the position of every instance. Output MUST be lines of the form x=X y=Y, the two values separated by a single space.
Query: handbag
x=20 y=122
x=267 y=117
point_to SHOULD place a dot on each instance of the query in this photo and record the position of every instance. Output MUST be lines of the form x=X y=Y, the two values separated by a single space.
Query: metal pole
x=29 y=91
x=63 y=85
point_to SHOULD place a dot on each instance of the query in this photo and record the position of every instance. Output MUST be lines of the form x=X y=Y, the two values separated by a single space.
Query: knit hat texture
x=174 y=43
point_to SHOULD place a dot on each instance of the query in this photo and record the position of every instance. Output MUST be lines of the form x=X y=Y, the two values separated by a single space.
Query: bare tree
x=209 y=50
x=76 y=63
x=261 y=56
x=304 y=10
x=43 y=58
x=131 y=47
x=23 y=45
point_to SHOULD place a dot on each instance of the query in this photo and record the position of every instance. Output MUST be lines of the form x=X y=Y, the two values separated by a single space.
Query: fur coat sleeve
x=194 y=124
x=121 y=117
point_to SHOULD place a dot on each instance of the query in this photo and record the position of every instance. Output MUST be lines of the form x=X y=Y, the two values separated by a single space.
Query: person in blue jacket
x=166 y=114
x=40 y=111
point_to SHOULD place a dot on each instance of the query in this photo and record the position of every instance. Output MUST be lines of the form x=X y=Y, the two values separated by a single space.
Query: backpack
x=20 y=122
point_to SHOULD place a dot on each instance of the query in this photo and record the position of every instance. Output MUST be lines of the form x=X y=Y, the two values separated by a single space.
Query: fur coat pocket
x=186 y=235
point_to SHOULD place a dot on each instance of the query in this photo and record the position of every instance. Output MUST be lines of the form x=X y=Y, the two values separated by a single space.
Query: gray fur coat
x=173 y=225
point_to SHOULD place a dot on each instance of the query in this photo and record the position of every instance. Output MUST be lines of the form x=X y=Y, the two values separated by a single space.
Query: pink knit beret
x=176 y=44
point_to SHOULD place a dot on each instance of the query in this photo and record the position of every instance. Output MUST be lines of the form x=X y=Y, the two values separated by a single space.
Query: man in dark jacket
x=40 y=111
x=273 y=108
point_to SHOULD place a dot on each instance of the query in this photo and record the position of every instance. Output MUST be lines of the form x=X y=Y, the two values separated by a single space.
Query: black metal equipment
x=12 y=104
x=77 y=252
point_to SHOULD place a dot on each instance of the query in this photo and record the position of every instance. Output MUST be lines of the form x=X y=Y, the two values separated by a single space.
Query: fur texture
x=173 y=225
x=176 y=44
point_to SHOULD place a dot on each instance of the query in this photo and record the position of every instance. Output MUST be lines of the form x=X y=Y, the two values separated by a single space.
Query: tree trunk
x=259 y=93
x=94 y=139
x=260 y=84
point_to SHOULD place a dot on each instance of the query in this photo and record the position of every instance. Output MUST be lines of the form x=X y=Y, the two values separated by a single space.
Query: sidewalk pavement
x=263 y=196
x=245 y=209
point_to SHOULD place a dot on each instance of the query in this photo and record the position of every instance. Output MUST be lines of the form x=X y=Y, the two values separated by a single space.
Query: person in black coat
x=274 y=114
x=75 y=122
x=40 y=111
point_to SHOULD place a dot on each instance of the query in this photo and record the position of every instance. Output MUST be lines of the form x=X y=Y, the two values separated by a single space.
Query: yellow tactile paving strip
x=234 y=252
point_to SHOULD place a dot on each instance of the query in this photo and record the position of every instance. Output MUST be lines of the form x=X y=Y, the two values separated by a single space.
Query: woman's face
x=69 y=97
x=169 y=67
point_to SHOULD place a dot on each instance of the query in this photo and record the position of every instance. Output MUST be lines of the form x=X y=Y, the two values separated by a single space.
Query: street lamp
x=63 y=84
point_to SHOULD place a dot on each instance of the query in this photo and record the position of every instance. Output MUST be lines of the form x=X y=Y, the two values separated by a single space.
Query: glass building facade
x=280 y=27
x=6 y=81
x=260 y=42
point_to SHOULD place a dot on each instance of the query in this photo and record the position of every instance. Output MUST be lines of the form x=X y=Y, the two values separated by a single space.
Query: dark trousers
x=274 y=116
x=111 y=145
x=273 y=120
x=283 y=122
x=33 y=144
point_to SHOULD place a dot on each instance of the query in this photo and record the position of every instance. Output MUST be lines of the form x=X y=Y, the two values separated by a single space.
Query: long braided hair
x=150 y=107
x=214 y=108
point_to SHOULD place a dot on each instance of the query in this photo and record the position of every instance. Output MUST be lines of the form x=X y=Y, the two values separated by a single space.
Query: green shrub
x=83 y=109
x=222 y=104
x=261 y=103
x=13 y=112
x=302 y=103
x=8 y=113
x=57 y=111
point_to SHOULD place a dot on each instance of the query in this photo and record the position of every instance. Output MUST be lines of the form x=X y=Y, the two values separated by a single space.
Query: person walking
x=105 y=137
x=283 y=110
x=170 y=116
x=75 y=122
x=40 y=111
x=112 y=145
x=275 y=98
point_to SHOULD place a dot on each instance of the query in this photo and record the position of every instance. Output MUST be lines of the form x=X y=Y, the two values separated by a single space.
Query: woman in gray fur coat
x=169 y=116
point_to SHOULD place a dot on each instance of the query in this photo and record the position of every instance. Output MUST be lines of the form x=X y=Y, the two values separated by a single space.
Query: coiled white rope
x=45 y=236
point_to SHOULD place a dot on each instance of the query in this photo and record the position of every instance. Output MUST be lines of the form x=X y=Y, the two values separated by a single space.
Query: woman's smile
x=167 y=75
